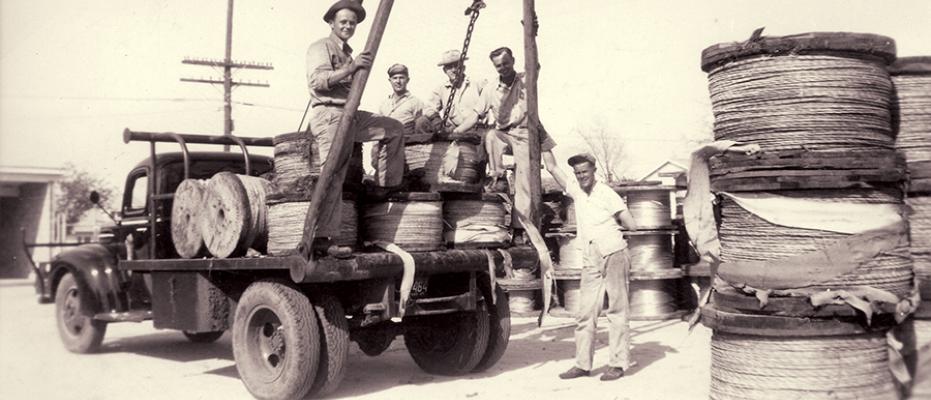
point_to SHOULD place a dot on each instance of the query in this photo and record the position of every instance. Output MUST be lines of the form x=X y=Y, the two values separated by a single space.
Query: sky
x=73 y=75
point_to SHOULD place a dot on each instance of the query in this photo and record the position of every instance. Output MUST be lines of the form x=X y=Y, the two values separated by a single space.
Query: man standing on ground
x=330 y=68
x=600 y=214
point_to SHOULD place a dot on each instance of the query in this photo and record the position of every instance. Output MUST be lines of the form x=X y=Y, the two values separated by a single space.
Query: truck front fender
x=95 y=268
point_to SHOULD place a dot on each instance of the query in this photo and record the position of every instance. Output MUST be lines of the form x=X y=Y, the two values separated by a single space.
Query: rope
x=412 y=225
x=836 y=367
x=286 y=225
x=476 y=221
x=920 y=232
x=911 y=111
x=746 y=237
x=650 y=252
x=811 y=101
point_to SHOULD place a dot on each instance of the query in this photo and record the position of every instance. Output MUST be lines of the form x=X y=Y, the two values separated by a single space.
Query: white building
x=27 y=213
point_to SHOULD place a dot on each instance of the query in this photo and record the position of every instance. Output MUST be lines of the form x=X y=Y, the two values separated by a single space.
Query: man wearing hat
x=600 y=215
x=466 y=104
x=401 y=104
x=330 y=67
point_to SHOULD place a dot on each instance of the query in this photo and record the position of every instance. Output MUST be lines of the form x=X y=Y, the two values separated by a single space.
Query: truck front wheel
x=77 y=328
x=276 y=341
x=449 y=344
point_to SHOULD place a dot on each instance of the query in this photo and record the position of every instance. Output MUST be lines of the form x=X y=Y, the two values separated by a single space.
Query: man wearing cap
x=330 y=67
x=466 y=104
x=401 y=104
x=600 y=215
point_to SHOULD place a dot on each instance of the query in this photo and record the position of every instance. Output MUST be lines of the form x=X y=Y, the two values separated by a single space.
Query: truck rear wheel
x=78 y=330
x=450 y=344
x=202 y=337
x=276 y=341
x=334 y=344
x=499 y=323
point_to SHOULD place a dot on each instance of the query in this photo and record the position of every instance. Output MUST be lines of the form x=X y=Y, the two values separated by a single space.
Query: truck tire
x=78 y=330
x=334 y=344
x=449 y=344
x=276 y=341
x=202 y=337
x=499 y=323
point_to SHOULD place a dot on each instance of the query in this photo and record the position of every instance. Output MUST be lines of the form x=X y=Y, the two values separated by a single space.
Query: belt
x=330 y=105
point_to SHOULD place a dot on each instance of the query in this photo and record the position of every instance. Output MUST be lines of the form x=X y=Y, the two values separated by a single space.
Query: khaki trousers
x=366 y=126
x=603 y=274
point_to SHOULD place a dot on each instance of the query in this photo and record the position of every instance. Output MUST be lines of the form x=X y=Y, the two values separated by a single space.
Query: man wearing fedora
x=466 y=105
x=600 y=215
x=330 y=67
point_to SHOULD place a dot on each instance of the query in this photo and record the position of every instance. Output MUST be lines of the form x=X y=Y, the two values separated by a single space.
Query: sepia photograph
x=465 y=199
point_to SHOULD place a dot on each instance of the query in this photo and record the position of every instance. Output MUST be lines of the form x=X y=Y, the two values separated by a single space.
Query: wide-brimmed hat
x=580 y=158
x=341 y=4
x=450 y=57
x=397 y=69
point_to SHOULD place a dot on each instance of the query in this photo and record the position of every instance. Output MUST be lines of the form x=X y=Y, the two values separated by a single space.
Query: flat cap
x=580 y=158
x=397 y=69
x=341 y=4
x=450 y=57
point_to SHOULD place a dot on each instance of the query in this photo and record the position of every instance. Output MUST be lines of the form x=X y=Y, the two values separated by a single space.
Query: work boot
x=612 y=373
x=324 y=246
x=574 y=372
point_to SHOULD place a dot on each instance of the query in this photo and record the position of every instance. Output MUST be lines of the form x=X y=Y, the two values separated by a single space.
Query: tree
x=75 y=193
x=608 y=149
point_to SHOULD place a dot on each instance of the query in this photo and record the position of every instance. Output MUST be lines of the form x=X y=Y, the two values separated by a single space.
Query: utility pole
x=228 y=64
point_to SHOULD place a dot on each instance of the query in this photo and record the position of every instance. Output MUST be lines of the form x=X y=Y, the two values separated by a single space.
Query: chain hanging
x=473 y=10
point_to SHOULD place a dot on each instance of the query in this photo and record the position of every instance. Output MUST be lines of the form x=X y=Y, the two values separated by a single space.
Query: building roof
x=15 y=174
x=667 y=163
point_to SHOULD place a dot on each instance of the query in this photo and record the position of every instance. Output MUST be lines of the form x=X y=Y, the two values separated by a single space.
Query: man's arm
x=626 y=219
x=320 y=73
x=549 y=160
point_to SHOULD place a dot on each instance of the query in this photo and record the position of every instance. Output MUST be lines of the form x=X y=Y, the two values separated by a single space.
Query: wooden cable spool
x=815 y=91
x=650 y=250
x=235 y=216
x=747 y=237
x=654 y=300
x=522 y=293
x=186 y=209
x=648 y=204
x=570 y=252
x=297 y=165
x=286 y=223
x=425 y=162
x=477 y=221
x=413 y=221
x=911 y=117
x=920 y=233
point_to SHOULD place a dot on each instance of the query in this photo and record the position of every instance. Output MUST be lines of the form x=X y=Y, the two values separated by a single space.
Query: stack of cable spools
x=815 y=268
x=565 y=244
x=655 y=284
x=911 y=77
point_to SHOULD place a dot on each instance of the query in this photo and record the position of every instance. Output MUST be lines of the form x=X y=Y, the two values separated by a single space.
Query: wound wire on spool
x=830 y=367
x=485 y=220
x=815 y=101
x=920 y=233
x=649 y=205
x=911 y=107
x=654 y=298
x=415 y=222
x=747 y=237
x=426 y=161
x=297 y=163
x=650 y=252
x=570 y=251
x=286 y=225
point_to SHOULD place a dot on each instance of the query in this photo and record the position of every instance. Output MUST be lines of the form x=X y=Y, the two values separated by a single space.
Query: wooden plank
x=789 y=306
x=776 y=326
x=789 y=180
x=807 y=159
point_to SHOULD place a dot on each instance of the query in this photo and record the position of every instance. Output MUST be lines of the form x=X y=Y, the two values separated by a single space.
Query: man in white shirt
x=600 y=215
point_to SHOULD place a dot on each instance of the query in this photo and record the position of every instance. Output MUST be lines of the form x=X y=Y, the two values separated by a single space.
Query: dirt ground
x=138 y=361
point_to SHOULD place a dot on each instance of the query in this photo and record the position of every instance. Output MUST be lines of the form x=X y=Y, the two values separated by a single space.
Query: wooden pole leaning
x=532 y=71
x=326 y=189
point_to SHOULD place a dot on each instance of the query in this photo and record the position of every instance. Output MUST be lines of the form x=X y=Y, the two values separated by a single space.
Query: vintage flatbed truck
x=288 y=337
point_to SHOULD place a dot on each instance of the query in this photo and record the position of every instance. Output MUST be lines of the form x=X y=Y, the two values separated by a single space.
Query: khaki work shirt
x=466 y=102
x=505 y=108
x=324 y=57
x=404 y=108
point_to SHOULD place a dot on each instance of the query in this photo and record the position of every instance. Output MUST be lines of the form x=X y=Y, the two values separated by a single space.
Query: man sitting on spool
x=330 y=68
x=466 y=103
x=600 y=214
x=401 y=104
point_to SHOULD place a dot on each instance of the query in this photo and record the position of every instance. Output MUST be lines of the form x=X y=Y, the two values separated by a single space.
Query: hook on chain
x=475 y=7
